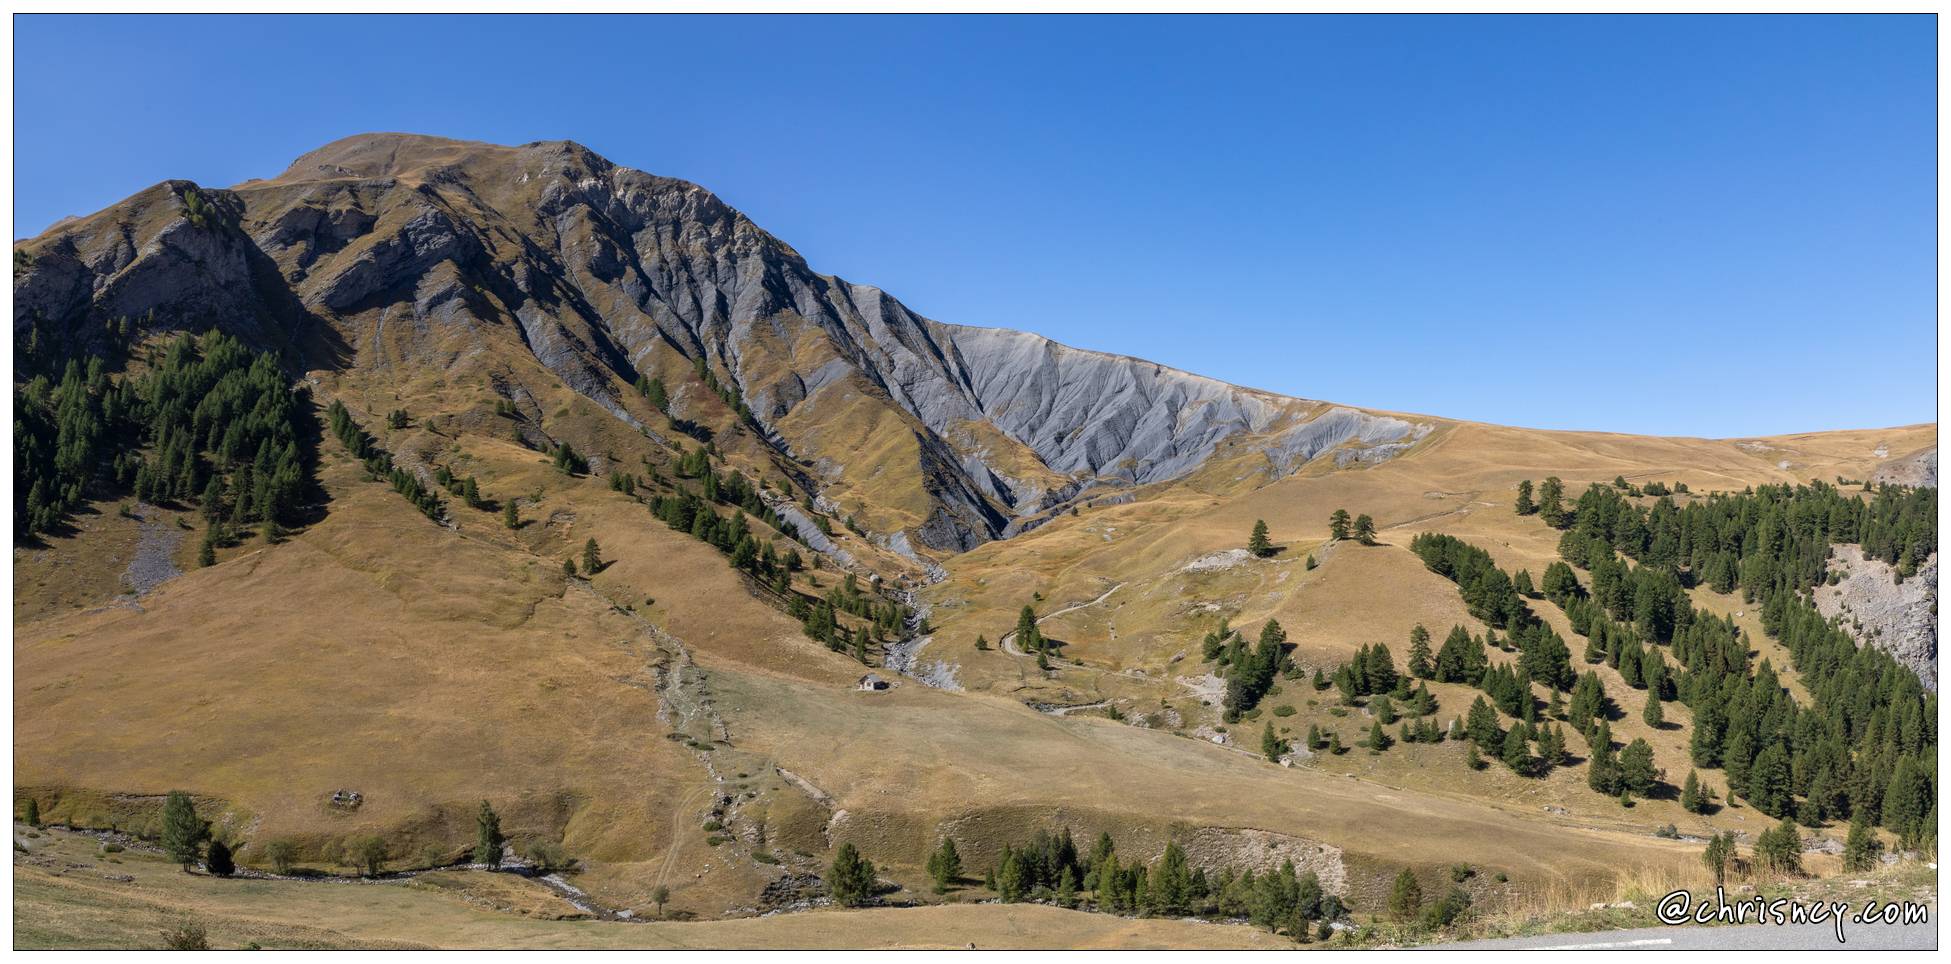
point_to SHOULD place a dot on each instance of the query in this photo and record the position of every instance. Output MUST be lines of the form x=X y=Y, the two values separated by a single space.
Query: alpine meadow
x=442 y=544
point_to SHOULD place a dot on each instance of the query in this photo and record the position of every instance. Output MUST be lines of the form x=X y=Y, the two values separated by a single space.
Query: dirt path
x=679 y=814
x=1470 y=501
x=687 y=706
x=1008 y=642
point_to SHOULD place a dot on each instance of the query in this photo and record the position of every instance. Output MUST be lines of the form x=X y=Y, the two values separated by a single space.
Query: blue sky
x=1701 y=226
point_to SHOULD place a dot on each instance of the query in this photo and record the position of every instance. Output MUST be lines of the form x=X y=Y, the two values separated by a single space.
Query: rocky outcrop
x=1919 y=468
x=1262 y=851
x=421 y=251
x=148 y=261
x=1899 y=618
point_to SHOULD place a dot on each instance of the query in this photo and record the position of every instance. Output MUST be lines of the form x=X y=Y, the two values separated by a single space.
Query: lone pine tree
x=1421 y=662
x=944 y=865
x=850 y=879
x=487 y=837
x=183 y=831
x=219 y=861
x=1271 y=744
x=1258 y=543
x=1406 y=896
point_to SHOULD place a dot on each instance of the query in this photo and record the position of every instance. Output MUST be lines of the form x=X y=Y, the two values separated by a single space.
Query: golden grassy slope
x=430 y=668
x=1461 y=481
x=65 y=906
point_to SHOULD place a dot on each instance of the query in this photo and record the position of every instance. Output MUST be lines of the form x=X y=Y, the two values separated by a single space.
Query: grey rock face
x=1300 y=444
x=1092 y=415
x=1919 y=468
x=1898 y=618
x=147 y=262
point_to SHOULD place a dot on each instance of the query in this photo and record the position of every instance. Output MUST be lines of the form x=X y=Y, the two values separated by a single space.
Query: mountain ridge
x=608 y=274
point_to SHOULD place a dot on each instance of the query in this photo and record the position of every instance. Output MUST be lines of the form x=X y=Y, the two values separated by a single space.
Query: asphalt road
x=1753 y=937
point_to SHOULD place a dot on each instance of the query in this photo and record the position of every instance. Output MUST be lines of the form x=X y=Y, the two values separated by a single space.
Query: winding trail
x=1008 y=640
x=679 y=814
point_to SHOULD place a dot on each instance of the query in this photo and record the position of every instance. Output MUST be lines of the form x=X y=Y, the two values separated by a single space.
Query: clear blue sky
x=1706 y=226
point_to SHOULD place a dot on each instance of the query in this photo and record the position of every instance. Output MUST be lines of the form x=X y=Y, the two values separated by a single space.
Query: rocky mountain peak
x=411 y=250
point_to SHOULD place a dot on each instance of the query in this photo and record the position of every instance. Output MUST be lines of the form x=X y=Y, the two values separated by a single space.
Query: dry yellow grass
x=430 y=668
x=63 y=906
x=1461 y=481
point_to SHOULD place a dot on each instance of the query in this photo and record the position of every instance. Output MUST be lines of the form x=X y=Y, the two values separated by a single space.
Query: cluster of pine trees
x=1050 y=868
x=1030 y=639
x=732 y=488
x=1763 y=536
x=1249 y=671
x=1371 y=676
x=725 y=393
x=1867 y=742
x=379 y=462
x=42 y=347
x=1372 y=672
x=219 y=425
x=1494 y=596
x=59 y=434
x=731 y=534
x=882 y=620
x=653 y=391
x=1513 y=747
x=467 y=488
x=1462 y=659
x=1362 y=529
x=567 y=460
x=1487 y=591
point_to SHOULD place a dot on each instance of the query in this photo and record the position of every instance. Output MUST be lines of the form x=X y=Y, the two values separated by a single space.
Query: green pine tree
x=1406 y=897
x=1365 y=529
x=850 y=880
x=219 y=861
x=1271 y=744
x=944 y=865
x=1516 y=752
x=1862 y=849
x=1524 y=505
x=183 y=831
x=1654 y=716
x=1718 y=856
x=487 y=837
x=1258 y=543
x=1421 y=662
